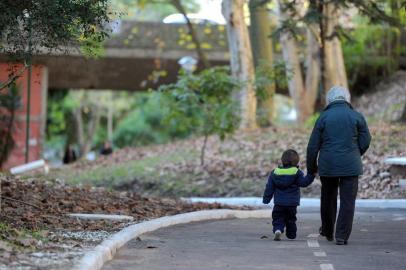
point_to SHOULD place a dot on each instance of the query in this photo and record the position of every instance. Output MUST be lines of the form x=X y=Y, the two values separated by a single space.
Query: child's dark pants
x=285 y=216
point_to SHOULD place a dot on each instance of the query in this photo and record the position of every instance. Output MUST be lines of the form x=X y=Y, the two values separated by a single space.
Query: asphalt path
x=378 y=241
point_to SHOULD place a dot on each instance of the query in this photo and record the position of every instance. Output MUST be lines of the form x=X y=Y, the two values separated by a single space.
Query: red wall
x=37 y=113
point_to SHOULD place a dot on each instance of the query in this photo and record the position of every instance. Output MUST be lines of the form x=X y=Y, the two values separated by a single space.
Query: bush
x=144 y=125
x=204 y=103
x=370 y=53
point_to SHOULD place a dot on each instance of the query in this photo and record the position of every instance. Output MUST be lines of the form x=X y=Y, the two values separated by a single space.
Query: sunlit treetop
x=29 y=26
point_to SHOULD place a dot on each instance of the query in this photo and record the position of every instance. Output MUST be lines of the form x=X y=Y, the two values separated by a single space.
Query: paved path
x=378 y=242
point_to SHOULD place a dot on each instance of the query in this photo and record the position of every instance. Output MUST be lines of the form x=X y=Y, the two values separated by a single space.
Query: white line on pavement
x=326 y=266
x=320 y=254
x=313 y=235
x=313 y=243
x=399 y=219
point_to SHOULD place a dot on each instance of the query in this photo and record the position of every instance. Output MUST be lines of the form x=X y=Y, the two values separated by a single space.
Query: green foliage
x=144 y=124
x=270 y=73
x=92 y=46
x=63 y=104
x=146 y=10
x=56 y=113
x=10 y=101
x=50 y=24
x=311 y=121
x=204 y=101
x=370 y=54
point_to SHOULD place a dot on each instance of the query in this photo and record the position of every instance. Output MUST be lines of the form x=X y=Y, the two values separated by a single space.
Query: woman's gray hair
x=338 y=93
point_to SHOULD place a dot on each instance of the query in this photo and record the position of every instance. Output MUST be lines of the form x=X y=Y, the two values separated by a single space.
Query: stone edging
x=304 y=202
x=95 y=259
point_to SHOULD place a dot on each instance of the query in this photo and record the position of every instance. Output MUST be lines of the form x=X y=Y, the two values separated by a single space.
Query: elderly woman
x=339 y=138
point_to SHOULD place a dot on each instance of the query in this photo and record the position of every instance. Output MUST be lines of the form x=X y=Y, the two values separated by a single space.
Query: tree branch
x=202 y=56
x=14 y=200
x=14 y=77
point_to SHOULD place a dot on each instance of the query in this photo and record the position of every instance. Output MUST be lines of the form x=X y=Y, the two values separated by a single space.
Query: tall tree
x=333 y=72
x=241 y=60
x=260 y=33
x=302 y=91
x=27 y=26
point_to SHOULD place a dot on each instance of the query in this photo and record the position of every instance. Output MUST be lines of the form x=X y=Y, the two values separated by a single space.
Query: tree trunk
x=79 y=128
x=260 y=32
x=85 y=140
x=241 y=60
x=303 y=92
x=110 y=119
x=334 y=67
x=91 y=129
x=403 y=116
x=396 y=13
x=312 y=81
x=203 y=149
x=200 y=53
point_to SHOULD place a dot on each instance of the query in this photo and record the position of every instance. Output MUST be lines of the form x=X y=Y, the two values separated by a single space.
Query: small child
x=284 y=185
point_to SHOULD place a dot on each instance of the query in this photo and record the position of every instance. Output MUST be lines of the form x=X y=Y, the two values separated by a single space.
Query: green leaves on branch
x=144 y=124
x=50 y=24
x=10 y=101
x=270 y=73
x=204 y=102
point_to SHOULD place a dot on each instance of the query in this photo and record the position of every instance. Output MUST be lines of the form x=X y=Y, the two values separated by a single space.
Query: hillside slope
x=385 y=102
x=237 y=166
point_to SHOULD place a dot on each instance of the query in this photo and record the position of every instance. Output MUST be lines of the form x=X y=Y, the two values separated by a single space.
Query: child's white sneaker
x=278 y=234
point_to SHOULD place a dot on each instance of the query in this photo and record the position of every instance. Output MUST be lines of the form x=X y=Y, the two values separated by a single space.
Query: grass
x=14 y=237
x=122 y=173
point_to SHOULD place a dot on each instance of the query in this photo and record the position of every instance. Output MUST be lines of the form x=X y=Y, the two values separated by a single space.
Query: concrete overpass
x=141 y=55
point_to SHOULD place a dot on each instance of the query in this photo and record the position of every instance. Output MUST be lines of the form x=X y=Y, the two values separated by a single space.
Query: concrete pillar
x=39 y=88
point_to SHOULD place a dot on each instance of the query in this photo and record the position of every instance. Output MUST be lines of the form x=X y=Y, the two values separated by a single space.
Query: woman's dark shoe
x=328 y=237
x=341 y=242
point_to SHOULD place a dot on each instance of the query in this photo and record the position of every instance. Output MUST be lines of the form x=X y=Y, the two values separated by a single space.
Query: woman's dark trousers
x=328 y=205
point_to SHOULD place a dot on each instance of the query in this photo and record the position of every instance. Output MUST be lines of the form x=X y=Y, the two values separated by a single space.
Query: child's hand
x=266 y=200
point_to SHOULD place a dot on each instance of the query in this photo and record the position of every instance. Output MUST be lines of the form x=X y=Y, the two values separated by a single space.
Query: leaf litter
x=35 y=232
x=240 y=165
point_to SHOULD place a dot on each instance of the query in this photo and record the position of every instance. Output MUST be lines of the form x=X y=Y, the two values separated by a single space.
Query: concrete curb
x=101 y=216
x=95 y=259
x=304 y=202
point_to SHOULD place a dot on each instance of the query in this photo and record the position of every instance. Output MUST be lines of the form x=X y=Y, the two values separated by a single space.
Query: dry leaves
x=239 y=165
x=36 y=204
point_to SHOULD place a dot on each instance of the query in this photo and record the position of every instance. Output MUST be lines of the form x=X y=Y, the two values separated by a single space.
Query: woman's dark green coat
x=338 y=140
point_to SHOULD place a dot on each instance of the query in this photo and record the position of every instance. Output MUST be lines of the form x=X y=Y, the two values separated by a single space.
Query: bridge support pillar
x=39 y=89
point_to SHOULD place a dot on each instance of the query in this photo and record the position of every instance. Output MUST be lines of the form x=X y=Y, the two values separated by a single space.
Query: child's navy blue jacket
x=284 y=185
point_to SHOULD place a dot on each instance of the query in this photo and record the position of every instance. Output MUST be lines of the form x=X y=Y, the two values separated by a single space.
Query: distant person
x=339 y=138
x=284 y=186
x=70 y=155
x=106 y=149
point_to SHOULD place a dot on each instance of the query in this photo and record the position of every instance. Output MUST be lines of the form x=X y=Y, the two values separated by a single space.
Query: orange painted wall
x=37 y=113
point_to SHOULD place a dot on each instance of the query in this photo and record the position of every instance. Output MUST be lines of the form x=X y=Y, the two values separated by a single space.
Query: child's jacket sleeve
x=269 y=190
x=304 y=181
